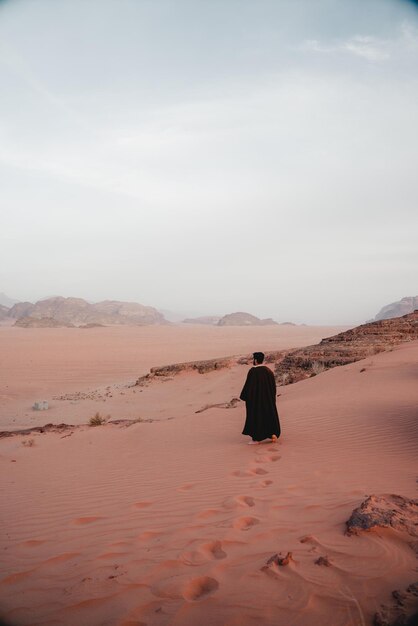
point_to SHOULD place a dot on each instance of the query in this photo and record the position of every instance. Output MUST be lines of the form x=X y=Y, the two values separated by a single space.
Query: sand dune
x=174 y=521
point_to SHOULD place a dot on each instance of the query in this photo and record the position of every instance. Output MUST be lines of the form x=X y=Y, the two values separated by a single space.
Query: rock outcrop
x=346 y=347
x=390 y=511
x=399 y=514
x=202 y=367
x=244 y=319
x=403 y=610
x=397 y=309
x=77 y=312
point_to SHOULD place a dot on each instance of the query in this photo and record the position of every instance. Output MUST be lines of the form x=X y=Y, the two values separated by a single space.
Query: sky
x=211 y=156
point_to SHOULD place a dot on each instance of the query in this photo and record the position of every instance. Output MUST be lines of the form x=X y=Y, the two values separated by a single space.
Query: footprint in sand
x=213 y=550
x=269 y=458
x=32 y=543
x=237 y=501
x=81 y=521
x=265 y=483
x=149 y=535
x=206 y=552
x=257 y=471
x=200 y=588
x=207 y=513
x=186 y=487
x=238 y=473
x=142 y=505
x=245 y=523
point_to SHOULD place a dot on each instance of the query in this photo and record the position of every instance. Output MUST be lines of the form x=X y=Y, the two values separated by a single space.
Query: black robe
x=259 y=394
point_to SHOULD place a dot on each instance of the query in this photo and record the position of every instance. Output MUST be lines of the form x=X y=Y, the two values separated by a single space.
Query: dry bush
x=318 y=367
x=285 y=378
x=98 y=420
x=28 y=443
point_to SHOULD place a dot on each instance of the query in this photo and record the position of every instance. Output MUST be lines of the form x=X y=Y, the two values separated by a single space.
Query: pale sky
x=211 y=156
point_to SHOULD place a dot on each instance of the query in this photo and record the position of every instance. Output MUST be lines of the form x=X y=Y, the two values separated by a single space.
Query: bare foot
x=253 y=443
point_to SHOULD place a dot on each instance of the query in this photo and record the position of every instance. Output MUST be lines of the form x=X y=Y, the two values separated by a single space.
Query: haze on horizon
x=211 y=157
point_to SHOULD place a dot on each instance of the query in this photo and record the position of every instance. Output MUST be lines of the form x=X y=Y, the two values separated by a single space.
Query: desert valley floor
x=173 y=519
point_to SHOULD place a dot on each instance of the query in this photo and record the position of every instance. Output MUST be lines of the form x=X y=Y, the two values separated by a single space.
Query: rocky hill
x=346 y=347
x=21 y=309
x=397 y=309
x=77 y=312
x=244 y=319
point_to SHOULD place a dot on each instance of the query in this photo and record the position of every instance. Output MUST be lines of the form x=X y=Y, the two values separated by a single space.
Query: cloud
x=370 y=48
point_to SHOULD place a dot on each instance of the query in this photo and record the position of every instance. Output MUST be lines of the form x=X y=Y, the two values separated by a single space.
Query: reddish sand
x=170 y=522
x=41 y=363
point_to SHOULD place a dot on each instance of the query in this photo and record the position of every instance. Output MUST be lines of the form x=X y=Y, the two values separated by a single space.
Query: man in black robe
x=259 y=393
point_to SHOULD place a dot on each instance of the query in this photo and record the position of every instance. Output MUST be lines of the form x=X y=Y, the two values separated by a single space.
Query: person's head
x=258 y=358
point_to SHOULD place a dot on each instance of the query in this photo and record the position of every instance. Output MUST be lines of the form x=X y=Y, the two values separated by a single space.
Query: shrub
x=318 y=367
x=97 y=420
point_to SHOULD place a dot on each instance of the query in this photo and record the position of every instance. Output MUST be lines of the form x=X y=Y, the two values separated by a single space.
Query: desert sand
x=43 y=363
x=173 y=519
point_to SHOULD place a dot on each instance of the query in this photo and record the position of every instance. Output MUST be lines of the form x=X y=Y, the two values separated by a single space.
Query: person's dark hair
x=258 y=357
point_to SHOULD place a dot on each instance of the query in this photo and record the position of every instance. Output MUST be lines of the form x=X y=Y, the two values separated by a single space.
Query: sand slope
x=171 y=522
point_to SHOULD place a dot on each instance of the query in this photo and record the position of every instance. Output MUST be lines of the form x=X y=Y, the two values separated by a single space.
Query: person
x=259 y=394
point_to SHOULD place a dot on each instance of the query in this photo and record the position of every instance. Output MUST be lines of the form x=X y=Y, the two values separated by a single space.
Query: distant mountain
x=397 y=309
x=21 y=309
x=76 y=311
x=209 y=320
x=244 y=319
x=6 y=301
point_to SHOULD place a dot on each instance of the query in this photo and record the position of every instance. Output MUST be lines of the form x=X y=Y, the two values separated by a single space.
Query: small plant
x=285 y=378
x=97 y=420
x=318 y=367
x=28 y=443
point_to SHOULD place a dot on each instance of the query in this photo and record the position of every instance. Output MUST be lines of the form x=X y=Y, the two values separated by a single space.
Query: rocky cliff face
x=76 y=311
x=352 y=345
x=244 y=319
x=397 y=309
